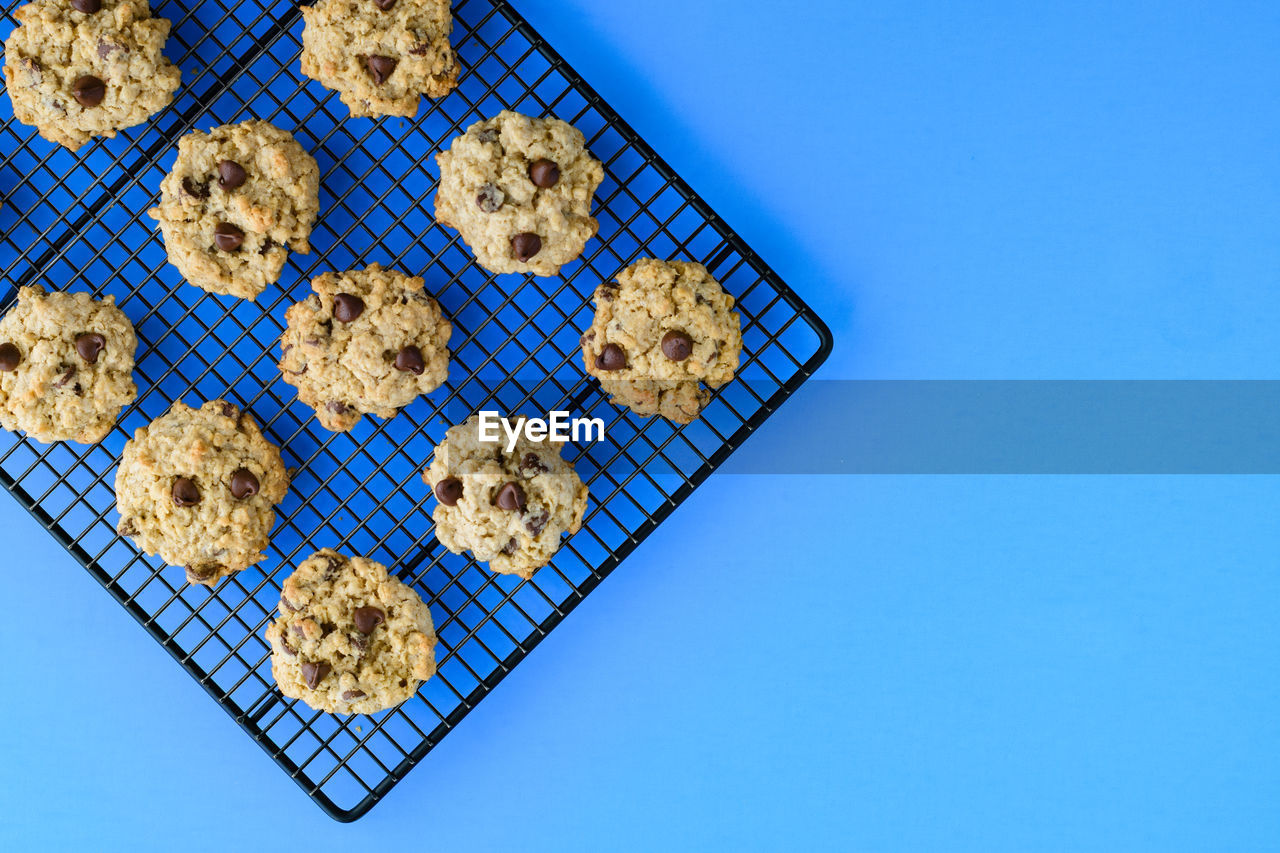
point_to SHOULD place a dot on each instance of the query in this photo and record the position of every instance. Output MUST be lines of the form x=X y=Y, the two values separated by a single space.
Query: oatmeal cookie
x=66 y=365
x=199 y=487
x=237 y=200
x=508 y=509
x=519 y=191
x=76 y=69
x=661 y=332
x=350 y=639
x=366 y=342
x=380 y=56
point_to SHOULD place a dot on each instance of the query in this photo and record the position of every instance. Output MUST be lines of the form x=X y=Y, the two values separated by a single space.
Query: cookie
x=350 y=639
x=519 y=191
x=76 y=69
x=661 y=332
x=380 y=56
x=66 y=365
x=198 y=487
x=509 y=509
x=366 y=342
x=237 y=200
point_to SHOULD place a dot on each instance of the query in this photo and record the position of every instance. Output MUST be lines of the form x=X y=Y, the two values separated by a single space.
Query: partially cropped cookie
x=66 y=365
x=519 y=191
x=508 y=508
x=76 y=69
x=663 y=331
x=365 y=342
x=199 y=488
x=350 y=639
x=380 y=56
x=237 y=200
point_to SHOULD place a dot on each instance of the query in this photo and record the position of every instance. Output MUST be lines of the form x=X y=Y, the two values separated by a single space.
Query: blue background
x=992 y=190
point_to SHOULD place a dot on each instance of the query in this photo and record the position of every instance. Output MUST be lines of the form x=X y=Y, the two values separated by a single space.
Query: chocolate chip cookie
x=507 y=508
x=662 y=331
x=366 y=342
x=519 y=191
x=66 y=365
x=380 y=56
x=198 y=487
x=237 y=200
x=350 y=639
x=76 y=69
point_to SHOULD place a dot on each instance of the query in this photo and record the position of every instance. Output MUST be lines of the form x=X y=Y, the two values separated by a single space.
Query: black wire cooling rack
x=77 y=221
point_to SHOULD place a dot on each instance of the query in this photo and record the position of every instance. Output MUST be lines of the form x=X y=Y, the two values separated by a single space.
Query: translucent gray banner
x=1021 y=427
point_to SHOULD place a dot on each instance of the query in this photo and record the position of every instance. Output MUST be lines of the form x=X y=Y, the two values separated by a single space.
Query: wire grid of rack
x=78 y=222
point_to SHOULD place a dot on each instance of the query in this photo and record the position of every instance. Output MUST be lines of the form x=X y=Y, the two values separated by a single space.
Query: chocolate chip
x=611 y=358
x=230 y=175
x=403 y=683
x=449 y=491
x=86 y=6
x=510 y=497
x=194 y=188
x=360 y=641
x=67 y=373
x=347 y=308
x=199 y=574
x=10 y=358
x=336 y=407
x=409 y=360
x=536 y=522
x=384 y=5
x=299 y=630
x=511 y=547
x=185 y=492
x=90 y=345
x=490 y=199
x=288 y=605
x=544 y=173
x=532 y=462
x=380 y=67
x=489 y=134
x=227 y=237
x=368 y=618
x=421 y=49
x=288 y=649
x=106 y=48
x=314 y=673
x=243 y=484
x=327 y=628
x=358 y=694
x=89 y=90
x=229 y=410
x=677 y=346
x=267 y=245
x=525 y=246
x=127 y=527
